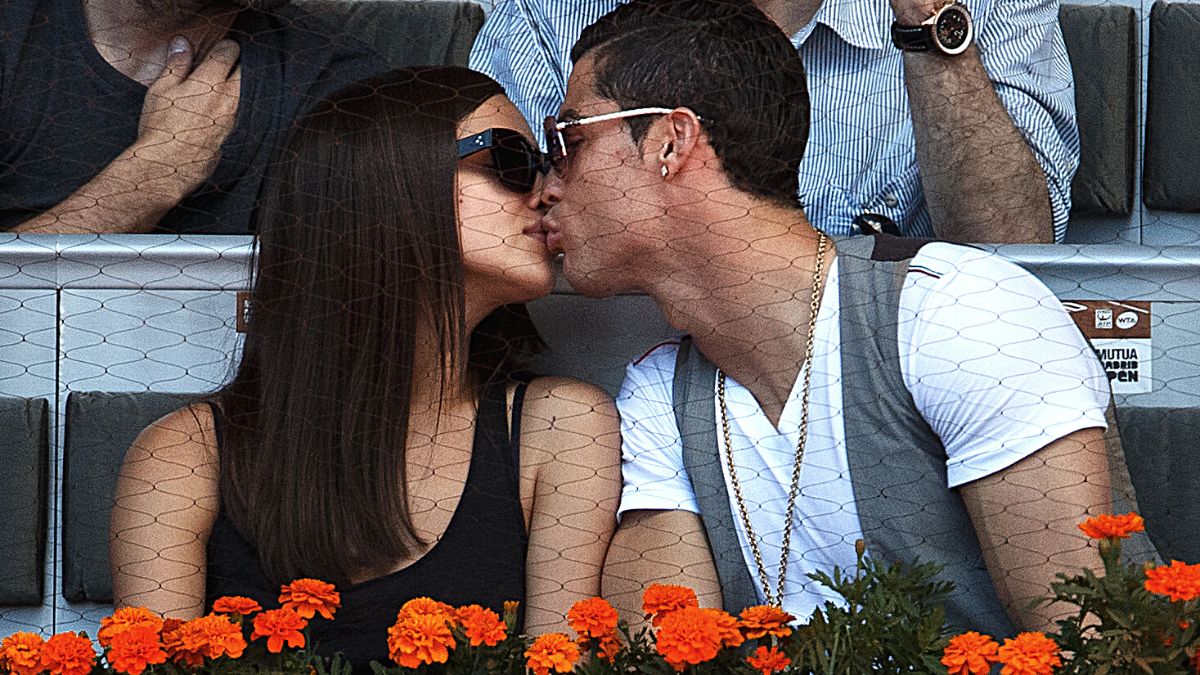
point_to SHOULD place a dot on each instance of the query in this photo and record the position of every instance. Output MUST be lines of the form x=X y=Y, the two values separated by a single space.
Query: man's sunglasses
x=556 y=147
x=516 y=161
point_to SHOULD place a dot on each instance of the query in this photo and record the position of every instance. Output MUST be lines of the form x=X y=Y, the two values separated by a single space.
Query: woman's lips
x=551 y=236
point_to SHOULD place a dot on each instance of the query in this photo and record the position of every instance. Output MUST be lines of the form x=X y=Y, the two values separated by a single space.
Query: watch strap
x=912 y=38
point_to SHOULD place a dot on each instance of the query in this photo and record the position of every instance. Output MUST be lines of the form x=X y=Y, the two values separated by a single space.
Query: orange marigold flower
x=661 y=599
x=970 y=654
x=609 y=647
x=279 y=626
x=172 y=640
x=428 y=607
x=235 y=604
x=730 y=629
x=553 y=651
x=20 y=653
x=123 y=619
x=212 y=636
x=1113 y=527
x=593 y=618
x=768 y=660
x=690 y=636
x=134 y=649
x=67 y=654
x=308 y=597
x=1029 y=654
x=419 y=638
x=482 y=626
x=1178 y=581
x=764 y=620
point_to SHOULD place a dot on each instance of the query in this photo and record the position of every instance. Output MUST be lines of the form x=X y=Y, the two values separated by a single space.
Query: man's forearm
x=1026 y=517
x=131 y=194
x=981 y=180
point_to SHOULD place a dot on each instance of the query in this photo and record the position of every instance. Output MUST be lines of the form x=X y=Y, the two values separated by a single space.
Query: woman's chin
x=541 y=284
x=527 y=284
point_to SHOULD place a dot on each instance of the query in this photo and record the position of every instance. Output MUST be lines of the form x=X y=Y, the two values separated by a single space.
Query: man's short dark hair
x=723 y=59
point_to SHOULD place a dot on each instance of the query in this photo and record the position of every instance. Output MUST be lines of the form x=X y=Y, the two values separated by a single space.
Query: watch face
x=953 y=29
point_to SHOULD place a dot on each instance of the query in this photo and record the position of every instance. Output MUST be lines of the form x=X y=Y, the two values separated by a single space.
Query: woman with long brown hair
x=378 y=433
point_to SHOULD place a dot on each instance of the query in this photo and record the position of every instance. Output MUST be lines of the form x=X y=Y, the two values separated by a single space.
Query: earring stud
x=665 y=171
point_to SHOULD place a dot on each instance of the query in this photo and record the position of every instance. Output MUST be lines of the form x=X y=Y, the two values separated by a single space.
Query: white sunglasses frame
x=605 y=117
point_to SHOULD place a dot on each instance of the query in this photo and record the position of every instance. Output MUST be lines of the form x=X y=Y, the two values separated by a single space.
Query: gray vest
x=897 y=464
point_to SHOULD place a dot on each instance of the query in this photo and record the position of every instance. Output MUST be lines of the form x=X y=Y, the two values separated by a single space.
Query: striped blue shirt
x=861 y=155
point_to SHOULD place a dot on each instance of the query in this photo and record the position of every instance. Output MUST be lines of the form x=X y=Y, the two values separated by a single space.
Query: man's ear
x=680 y=138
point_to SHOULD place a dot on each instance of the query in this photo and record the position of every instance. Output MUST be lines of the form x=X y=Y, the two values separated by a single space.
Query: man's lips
x=537 y=231
x=552 y=235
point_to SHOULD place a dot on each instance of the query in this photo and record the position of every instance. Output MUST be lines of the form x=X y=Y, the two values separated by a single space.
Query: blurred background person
x=140 y=115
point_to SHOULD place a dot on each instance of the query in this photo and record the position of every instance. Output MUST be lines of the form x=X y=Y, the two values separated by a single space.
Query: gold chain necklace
x=777 y=599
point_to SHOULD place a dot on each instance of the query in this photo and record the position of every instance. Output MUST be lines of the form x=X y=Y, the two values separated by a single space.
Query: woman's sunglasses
x=516 y=161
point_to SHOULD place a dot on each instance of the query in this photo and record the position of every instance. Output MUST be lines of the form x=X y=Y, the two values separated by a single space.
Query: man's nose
x=547 y=192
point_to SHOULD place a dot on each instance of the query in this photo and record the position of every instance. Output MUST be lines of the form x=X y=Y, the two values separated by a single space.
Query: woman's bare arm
x=166 y=501
x=570 y=447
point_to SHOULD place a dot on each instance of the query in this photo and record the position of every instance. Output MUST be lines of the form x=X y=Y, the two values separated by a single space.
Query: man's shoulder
x=650 y=376
x=935 y=261
x=953 y=261
x=660 y=354
x=944 y=276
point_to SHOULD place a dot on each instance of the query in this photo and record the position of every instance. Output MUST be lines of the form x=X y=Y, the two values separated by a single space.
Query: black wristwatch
x=949 y=31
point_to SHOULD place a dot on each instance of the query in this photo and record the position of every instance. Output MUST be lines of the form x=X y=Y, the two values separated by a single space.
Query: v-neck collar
x=743 y=407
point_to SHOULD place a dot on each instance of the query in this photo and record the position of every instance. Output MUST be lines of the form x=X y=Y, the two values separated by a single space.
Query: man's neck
x=790 y=15
x=745 y=297
x=134 y=39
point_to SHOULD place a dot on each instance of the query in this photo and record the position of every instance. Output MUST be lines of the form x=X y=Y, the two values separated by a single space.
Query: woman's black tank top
x=479 y=560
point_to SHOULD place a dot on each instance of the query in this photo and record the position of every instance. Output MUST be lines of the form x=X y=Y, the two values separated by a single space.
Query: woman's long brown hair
x=358 y=246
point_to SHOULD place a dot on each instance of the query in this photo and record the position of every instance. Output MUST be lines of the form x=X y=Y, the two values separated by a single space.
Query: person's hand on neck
x=134 y=36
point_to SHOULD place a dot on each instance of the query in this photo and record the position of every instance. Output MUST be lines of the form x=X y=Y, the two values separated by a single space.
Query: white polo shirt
x=994 y=363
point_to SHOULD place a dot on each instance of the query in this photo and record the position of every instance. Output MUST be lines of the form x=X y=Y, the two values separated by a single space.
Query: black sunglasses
x=516 y=161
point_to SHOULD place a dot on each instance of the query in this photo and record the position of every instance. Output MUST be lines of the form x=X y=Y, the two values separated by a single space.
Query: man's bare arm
x=186 y=116
x=1027 y=516
x=981 y=180
x=668 y=547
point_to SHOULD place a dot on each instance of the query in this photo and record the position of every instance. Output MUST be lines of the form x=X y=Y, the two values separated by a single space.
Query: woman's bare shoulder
x=564 y=419
x=564 y=398
x=186 y=436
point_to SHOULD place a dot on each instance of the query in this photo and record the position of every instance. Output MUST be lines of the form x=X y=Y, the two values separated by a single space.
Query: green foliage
x=1120 y=628
x=892 y=621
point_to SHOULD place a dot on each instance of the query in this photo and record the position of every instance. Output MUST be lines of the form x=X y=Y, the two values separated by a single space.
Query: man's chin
x=590 y=283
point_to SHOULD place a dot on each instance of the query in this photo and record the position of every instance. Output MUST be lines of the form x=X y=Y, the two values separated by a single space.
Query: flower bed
x=1133 y=619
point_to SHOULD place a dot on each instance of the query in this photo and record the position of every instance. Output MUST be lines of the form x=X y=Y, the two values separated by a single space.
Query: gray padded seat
x=100 y=427
x=405 y=32
x=1170 y=179
x=1103 y=45
x=24 y=445
x=1160 y=448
